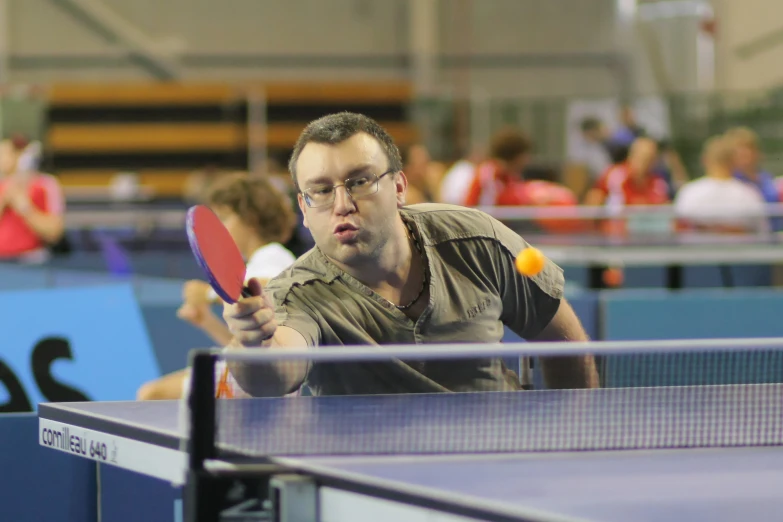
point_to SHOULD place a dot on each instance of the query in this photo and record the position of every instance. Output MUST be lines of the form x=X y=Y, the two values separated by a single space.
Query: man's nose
x=343 y=203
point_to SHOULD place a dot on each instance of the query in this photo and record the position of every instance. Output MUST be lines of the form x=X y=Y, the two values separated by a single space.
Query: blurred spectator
x=458 y=178
x=633 y=182
x=498 y=180
x=198 y=182
x=718 y=202
x=416 y=166
x=31 y=204
x=670 y=167
x=259 y=218
x=747 y=162
x=598 y=155
x=628 y=130
x=541 y=190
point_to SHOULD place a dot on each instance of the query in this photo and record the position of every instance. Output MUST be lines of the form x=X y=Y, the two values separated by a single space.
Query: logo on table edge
x=60 y=439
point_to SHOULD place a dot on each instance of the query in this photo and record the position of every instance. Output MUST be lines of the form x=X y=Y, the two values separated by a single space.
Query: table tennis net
x=666 y=394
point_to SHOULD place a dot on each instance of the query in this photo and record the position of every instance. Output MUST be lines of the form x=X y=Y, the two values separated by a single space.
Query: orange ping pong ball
x=530 y=261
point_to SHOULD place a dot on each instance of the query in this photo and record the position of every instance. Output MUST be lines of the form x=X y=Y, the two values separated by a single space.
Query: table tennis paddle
x=216 y=253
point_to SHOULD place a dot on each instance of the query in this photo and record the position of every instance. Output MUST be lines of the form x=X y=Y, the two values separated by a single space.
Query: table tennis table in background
x=717 y=453
x=161 y=226
x=673 y=253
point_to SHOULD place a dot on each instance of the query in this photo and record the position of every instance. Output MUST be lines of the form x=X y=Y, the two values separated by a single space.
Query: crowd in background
x=620 y=166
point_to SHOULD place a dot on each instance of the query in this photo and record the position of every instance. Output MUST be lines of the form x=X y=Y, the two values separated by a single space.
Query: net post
x=200 y=502
x=201 y=401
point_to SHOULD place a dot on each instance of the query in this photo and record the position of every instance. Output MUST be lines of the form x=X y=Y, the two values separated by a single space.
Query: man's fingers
x=252 y=322
x=257 y=335
x=254 y=285
x=244 y=308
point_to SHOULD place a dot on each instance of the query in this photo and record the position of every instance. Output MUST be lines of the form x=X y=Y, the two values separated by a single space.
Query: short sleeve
x=474 y=192
x=529 y=303
x=291 y=313
x=54 y=200
x=270 y=262
x=602 y=184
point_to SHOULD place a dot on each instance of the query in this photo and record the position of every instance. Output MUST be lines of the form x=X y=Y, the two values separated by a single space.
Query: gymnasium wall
x=313 y=39
x=749 y=67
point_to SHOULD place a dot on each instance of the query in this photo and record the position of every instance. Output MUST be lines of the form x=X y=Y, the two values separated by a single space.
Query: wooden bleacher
x=164 y=131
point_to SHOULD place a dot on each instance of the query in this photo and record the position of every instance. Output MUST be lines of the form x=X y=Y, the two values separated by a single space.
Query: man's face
x=593 y=135
x=8 y=157
x=746 y=158
x=418 y=162
x=350 y=230
x=642 y=157
x=518 y=164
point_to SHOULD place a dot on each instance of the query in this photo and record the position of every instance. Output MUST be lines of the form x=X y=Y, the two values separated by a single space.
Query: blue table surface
x=713 y=485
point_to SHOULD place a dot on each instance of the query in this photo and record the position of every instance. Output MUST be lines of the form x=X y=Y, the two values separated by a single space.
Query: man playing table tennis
x=383 y=273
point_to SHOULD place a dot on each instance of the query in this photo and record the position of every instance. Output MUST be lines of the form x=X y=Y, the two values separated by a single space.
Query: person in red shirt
x=498 y=180
x=633 y=182
x=31 y=204
x=630 y=183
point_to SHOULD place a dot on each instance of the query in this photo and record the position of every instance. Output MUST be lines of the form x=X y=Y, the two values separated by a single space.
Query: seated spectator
x=197 y=183
x=259 y=218
x=416 y=166
x=747 y=163
x=497 y=181
x=628 y=130
x=599 y=153
x=747 y=167
x=31 y=204
x=633 y=182
x=718 y=202
x=457 y=179
x=541 y=190
x=670 y=167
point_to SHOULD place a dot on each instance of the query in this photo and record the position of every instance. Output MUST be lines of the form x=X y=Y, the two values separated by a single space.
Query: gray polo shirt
x=474 y=291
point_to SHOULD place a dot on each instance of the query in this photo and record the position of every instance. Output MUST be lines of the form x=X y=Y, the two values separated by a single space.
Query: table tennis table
x=670 y=453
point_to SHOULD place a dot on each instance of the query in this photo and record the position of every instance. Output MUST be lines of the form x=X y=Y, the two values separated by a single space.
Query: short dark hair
x=508 y=144
x=257 y=202
x=590 y=123
x=336 y=128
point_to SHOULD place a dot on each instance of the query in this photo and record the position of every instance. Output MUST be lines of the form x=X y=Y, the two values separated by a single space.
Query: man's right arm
x=271 y=379
x=252 y=324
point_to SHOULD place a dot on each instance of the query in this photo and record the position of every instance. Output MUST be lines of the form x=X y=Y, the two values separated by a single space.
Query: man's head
x=627 y=116
x=349 y=175
x=415 y=162
x=717 y=157
x=10 y=151
x=252 y=209
x=642 y=156
x=745 y=145
x=593 y=130
x=512 y=148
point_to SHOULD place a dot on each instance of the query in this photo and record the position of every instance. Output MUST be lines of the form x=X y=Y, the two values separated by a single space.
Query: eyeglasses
x=359 y=186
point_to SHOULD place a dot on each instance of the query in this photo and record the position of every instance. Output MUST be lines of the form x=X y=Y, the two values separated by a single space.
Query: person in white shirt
x=260 y=219
x=718 y=202
x=456 y=181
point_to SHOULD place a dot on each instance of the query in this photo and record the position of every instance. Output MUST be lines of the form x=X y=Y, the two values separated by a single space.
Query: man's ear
x=401 y=188
x=302 y=207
